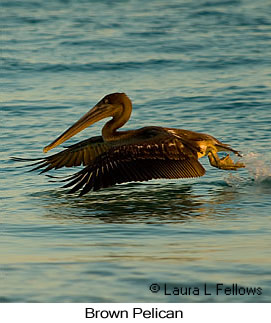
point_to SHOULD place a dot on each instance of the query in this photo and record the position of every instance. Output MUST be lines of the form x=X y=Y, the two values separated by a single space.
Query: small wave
x=20 y=65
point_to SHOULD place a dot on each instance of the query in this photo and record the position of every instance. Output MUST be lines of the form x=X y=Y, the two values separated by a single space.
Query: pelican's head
x=111 y=105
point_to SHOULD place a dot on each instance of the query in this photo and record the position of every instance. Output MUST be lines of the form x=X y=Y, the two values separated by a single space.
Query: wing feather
x=158 y=155
x=170 y=159
x=82 y=153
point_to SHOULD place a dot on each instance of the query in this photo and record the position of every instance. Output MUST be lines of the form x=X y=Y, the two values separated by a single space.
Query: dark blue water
x=199 y=65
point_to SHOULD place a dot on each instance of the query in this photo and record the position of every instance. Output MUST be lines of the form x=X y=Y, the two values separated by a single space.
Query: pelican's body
x=135 y=155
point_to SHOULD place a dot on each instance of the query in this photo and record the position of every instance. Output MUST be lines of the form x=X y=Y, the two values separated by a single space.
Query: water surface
x=200 y=65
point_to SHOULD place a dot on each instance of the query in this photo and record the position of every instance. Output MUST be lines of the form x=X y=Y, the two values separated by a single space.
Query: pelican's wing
x=82 y=153
x=169 y=158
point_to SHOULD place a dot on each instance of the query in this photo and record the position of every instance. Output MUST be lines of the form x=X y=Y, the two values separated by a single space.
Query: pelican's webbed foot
x=224 y=163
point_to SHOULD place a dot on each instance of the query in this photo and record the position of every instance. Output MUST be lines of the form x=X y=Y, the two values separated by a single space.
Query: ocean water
x=200 y=65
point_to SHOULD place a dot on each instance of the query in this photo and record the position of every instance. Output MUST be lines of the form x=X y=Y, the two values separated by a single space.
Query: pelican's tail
x=225 y=147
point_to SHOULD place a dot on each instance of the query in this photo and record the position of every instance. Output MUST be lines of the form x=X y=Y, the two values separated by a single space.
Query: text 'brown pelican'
x=136 y=155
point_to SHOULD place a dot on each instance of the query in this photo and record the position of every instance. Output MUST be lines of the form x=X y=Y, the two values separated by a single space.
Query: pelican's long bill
x=97 y=113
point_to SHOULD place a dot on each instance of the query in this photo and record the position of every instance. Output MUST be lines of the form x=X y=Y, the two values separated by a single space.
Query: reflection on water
x=142 y=202
x=125 y=238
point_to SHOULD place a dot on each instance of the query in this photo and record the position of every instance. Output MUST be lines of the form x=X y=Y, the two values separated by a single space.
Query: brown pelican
x=135 y=155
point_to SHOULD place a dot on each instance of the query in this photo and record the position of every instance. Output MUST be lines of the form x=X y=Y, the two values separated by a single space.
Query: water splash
x=258 y=168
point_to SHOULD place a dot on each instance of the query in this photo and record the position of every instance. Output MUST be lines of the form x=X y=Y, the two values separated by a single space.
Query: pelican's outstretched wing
x=82 y=153
x=169 y=158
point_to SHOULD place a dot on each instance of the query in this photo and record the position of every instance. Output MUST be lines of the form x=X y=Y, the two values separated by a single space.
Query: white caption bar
x=132 y=312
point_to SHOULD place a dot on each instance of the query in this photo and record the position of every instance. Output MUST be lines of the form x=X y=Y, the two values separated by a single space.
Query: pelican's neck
x=120 y=117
